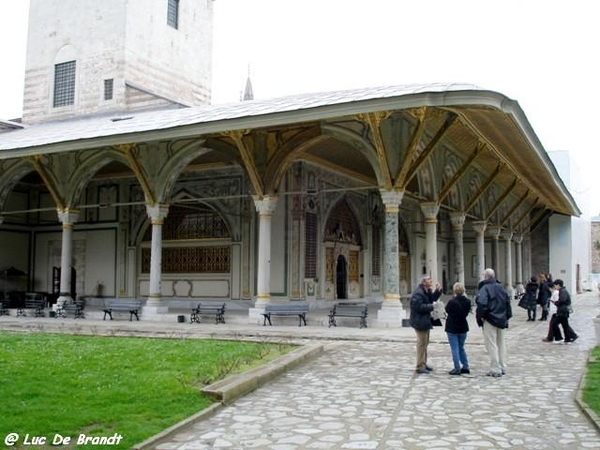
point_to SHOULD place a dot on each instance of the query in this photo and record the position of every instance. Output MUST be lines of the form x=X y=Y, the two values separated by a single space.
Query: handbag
x=436 y=322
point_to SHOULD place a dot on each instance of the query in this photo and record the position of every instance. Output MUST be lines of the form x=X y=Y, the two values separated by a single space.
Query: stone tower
x=87 y=57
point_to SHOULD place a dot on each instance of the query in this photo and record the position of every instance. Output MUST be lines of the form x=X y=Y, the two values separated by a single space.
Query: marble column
x=479 y=228
x=494 y=233
x=518 y=238
x=390 y=312
x=457 y=219
x=155 y=304
x=265 y=206
x=508 y=279
x=430 y=211
x=67 y=218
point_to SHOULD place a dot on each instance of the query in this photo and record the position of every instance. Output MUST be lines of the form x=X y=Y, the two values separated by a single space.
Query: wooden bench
x=285 y=309
x=33 y=304
x=358 y=310
x=218 y=309
x=76 y=308
x=131 y=306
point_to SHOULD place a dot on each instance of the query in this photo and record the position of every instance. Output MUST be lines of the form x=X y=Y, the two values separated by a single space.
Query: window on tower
x=64 y=84
x=108 y=89
x=173 y=13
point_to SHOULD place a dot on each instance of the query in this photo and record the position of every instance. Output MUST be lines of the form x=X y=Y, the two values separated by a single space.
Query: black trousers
x=544 y=310
x=564 y=322
x=554 y=333
x=567 y=330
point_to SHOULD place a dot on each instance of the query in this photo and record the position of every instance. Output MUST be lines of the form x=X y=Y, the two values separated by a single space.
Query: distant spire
x=248 y=93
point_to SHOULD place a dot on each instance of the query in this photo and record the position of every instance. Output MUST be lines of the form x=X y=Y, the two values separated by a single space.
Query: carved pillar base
x=255 y=316
x=390 y=315
x=154 y=312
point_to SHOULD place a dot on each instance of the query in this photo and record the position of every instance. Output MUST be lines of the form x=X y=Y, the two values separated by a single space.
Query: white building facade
x=312 y=198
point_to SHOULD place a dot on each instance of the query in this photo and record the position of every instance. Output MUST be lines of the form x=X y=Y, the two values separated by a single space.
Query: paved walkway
x=362 y=393
x=365 y=395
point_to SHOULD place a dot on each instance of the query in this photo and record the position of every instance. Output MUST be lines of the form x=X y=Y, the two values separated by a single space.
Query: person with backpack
x=492 y=314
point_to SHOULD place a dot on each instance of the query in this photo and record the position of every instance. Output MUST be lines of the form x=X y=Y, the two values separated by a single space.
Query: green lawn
x=591 y=391
x=136 y=387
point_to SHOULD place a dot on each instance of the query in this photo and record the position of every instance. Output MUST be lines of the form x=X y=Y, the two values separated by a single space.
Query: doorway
x=341 y=277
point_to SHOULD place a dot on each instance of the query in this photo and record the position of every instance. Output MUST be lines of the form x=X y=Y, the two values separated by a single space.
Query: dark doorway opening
x=341 y=277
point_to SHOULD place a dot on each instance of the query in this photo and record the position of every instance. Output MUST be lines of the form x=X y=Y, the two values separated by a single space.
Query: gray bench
x=358 y=310
x=123 y=305
x=206 y=308
x=76 y=308
x=285 y=309
x=4 y=302
x=32 y=304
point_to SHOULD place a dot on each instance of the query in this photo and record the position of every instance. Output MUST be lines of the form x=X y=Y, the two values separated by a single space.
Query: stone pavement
x=362 y=392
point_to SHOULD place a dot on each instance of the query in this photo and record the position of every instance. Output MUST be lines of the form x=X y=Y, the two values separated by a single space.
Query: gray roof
x=218 y=117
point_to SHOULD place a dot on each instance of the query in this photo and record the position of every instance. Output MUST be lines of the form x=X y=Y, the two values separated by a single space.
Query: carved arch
x=11 y=176
x=350 y=211
x=358 y=142
x=167 y=178
x=88 y=169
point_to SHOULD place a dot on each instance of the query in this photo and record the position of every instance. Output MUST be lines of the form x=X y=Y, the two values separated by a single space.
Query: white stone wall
x=126 y=40
x=174 y=63
x=94 y=258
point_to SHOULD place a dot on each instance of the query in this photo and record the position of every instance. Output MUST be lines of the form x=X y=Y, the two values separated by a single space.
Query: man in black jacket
x=493 y=312
x=563 y=308
x=421 y=305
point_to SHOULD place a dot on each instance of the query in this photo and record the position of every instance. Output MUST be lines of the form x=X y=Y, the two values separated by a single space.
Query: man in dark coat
x=421 y=305
x=493 y=313
x=563 y=308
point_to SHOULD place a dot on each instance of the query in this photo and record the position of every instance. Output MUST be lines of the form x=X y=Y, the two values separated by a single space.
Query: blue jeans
x=457 y=347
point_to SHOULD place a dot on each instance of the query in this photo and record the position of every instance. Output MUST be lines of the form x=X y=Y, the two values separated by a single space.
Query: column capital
x=457 y=218
x=430 y=211
x=494 y=231
x=265 y=206
x=391 y=199
x=518 y=238
x=157 y=213
x=67 y=216
x=479 y=226
x=507 y=235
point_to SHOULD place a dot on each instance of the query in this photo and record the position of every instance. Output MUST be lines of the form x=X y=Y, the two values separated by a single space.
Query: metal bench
x=123 y=305
x=36 y=305
x=4 y=302
x=358 y=310
x=285 y=309
x=218 y=309
x=76 y=308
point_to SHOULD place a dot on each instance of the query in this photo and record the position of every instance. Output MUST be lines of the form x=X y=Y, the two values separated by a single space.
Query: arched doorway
x=341 y=277
x=342 y=253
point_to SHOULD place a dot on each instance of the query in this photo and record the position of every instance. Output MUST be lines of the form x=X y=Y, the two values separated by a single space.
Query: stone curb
x=585 y=409
x=231 y=388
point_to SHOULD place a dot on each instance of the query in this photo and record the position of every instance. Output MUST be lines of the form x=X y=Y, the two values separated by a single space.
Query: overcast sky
x=542 y=54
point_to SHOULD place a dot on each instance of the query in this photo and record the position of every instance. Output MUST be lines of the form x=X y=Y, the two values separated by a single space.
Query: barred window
x=108 y=89
x=198 y=222
x=182 y=252
x=64 y=84
x=173 y=14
